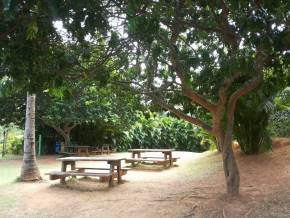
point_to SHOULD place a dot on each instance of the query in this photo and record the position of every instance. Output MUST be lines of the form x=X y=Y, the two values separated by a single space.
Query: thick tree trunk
x=231 y=170
x=64 y=132
x=219 y=144
x=66 y=139
x=29 y=171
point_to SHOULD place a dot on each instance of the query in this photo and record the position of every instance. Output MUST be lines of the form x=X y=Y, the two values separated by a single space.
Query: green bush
x=280 y=123
x=15 y=146
x=251 y=121
x=154 y=130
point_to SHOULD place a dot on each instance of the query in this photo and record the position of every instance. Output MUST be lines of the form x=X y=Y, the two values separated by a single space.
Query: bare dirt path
x=193 y=189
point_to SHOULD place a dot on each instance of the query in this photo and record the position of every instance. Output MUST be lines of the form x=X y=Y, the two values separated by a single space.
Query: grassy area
x=9 y=172
x=10 y=168
x=205 y=165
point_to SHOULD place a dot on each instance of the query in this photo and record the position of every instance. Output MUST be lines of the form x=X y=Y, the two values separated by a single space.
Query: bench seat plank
x=174 y=159
x=58 y=174
x=67 y=154
x=155 y=160
x=93 y=168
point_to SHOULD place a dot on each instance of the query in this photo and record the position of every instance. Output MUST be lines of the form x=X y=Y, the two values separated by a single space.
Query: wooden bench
x=80 y=171
x=60 y=175
x=158 y=161
x=103 y=179
x=67 y=154
x=103 y=149
x=174 y=159
x=114 y=171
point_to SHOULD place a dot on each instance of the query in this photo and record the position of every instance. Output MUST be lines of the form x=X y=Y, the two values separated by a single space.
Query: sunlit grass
x=205 y=165
x=10 y=169
x=9 y=173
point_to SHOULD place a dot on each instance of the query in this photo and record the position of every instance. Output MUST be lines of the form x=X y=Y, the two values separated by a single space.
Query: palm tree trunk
x=29 y=171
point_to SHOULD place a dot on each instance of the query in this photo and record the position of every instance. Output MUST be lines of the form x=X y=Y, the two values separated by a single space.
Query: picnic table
x=76 y=150
x=166 y=159
x=114 y=171
x=101 y=149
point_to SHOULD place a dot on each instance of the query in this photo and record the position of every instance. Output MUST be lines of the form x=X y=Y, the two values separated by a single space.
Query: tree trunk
x=29 y=171
x=66 y=139
x=231 y=169
x=65 y=132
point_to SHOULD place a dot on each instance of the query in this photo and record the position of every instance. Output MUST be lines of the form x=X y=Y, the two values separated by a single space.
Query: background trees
x=195 y=59
x=212 y=53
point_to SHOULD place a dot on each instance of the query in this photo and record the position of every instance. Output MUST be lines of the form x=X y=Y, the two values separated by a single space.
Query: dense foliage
x=280 y=123
x=280 y=117
x=251 y=122
x=158 y=130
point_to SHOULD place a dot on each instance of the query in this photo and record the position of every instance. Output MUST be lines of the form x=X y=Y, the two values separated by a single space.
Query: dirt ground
x=194 y=188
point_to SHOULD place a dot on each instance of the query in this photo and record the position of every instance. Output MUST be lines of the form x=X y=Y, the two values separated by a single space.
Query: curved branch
x=182 y=115
x=186 y=89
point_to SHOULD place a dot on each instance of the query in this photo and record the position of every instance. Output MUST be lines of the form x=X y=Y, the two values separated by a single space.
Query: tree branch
x=187 y=90
x=182 y=115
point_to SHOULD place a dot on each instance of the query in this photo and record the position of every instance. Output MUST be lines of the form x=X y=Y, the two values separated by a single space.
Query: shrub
x=280 y=123
x=251 y=121
x=155 y=130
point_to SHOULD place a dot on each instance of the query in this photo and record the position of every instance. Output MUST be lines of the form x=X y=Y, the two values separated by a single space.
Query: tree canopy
x=195 y=59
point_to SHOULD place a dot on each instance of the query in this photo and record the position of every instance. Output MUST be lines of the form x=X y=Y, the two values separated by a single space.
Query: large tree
x=206 y=55
x=29 y=42
x=25 y=39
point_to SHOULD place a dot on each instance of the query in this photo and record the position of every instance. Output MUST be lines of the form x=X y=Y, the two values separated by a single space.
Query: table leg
x=73 y=167
x=165 y=158
x=63 y=169
x=168 y=155
x=170 y=158
x=112 y=166
x=119 y=172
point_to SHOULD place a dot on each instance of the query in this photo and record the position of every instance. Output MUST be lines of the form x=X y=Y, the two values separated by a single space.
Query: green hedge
x=155 y=130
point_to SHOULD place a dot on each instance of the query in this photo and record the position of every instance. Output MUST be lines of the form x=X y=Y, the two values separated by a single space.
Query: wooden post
x=119 y=172
x=170 y=158
x=73 y=167
x=112 y=166
x=39 y=144
x=63 y=169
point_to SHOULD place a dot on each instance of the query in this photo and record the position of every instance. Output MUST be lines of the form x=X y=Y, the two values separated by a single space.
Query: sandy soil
x=194 y=188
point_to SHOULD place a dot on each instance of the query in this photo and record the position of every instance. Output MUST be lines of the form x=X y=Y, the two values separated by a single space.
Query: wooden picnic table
x=77 y=149
x=167 y=153
x=101 y=149
x=114 y=162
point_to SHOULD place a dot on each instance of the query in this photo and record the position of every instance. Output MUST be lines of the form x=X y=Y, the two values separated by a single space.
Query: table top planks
x=91 y=159
x=150 y=150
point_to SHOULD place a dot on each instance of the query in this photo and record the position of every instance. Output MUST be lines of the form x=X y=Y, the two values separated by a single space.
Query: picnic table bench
x=101 y=149
x=167 y=158
x=77 y=150
x=106 y=174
